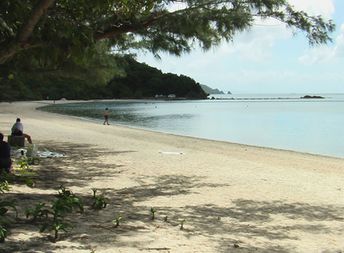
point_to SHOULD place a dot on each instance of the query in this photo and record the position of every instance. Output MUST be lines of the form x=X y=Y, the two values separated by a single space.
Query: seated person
x=5 y=155
x=18 y=130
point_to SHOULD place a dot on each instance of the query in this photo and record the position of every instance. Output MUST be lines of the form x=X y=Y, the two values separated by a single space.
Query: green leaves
x=3 y=233
x=38 y=211
x=117 y=220
x=4 y=205
x=71 y=27
x=65 y=203
x=56 y=226
x=4 y=186
x=152 y=211
x=99 y=201
x=4 y=218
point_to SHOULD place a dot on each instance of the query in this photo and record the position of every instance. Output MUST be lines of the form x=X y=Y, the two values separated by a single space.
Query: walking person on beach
x=18 y=130
x=5 y=155
x=106 y=116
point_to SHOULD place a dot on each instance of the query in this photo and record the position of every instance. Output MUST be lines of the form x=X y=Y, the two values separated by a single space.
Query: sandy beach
x=230 y=197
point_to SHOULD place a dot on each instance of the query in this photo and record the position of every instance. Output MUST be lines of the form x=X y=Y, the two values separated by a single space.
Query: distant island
x=311 y=97
x=210 y=90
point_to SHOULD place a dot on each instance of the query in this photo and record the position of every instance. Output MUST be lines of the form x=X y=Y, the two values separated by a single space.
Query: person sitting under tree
x=5 y=155
x=18 y=130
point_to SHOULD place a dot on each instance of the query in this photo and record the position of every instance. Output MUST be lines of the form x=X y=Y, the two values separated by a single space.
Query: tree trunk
x=38 y=11
x=21 y=40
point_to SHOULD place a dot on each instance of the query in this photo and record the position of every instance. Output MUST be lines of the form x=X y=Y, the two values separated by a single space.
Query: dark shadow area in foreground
x=241 y=218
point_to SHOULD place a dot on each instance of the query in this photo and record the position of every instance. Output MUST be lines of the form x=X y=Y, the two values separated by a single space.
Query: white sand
x=262 y=199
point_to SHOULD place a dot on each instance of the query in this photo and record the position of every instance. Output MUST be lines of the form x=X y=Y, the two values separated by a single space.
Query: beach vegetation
x=182 y=222
x=117 y=220
x=152 y=212
x=38 y=211
x=24 y=172
x=3 y=233
x=66 y=203
x=57 y=226
x=99 y=201
x=4 y=208
x=4 y=186
x=5 y=205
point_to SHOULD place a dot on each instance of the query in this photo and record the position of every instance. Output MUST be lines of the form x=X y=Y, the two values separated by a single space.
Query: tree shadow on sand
x=80 y=164
x=242 y=218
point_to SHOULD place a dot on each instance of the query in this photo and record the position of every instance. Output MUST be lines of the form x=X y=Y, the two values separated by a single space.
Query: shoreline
x=264 y=200
x=97 y=120
x=151 y=131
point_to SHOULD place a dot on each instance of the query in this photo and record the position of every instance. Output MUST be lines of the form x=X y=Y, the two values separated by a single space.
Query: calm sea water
x=274 y=120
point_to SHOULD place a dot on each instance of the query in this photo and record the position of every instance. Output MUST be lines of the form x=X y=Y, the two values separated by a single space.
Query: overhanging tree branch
x=38 y=11
x=21 y=42
x=153 y=18
x=77 y=25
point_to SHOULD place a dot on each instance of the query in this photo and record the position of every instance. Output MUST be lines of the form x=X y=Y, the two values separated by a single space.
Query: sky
x=268 y=58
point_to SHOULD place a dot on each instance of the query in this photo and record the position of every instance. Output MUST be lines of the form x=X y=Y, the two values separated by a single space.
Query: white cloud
x=317 y=55
x=325 y=53
x=339 y=48
x=256 y=44
x=325 y=8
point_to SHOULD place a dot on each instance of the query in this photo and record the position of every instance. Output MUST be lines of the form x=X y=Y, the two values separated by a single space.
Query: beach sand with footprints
x=226 y=197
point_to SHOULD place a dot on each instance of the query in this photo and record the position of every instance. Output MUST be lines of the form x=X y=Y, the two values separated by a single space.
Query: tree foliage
x=40 y=74
x=68 y=27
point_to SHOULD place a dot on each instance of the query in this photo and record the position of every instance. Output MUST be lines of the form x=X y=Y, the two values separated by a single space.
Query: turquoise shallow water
x=269 y=120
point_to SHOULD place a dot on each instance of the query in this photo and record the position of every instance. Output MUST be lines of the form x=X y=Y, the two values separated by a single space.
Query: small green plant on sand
x=24 y=171
x=152 y=212
x=182 y=224
x=56 y=226
x=117 y=220
x=99 y=201
x=38 y=211
x=65 y=203
x=4 y=208
x=23 y=164
x=5 y=204
x=4 y=186
x=3 y=233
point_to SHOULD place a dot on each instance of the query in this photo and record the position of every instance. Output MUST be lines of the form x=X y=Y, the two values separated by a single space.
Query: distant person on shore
x=18 y=130
x=5 y=155
x=106 y=116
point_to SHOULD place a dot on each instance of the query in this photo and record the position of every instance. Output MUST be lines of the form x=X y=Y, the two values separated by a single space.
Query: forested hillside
x=130 y=79
x=142 y=81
